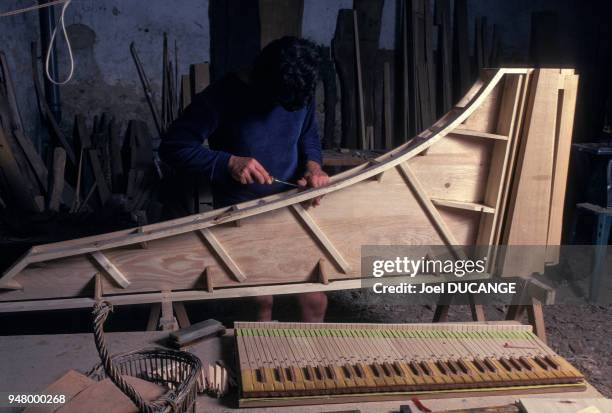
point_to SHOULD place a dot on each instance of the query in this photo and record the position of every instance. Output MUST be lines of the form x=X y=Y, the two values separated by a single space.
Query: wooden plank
x=10 y=121
x=499 y=164
x=343 y=50
x=404 y=117
x=535 y=315
x=196 y=295
x=477 y=134
x=116 y=162
x=216 y=247
x=330 y=99
x=388 y=116
x=57 y=186
x=102 y=185
x=430 y=71
x=197 y=331
x=445 y=56
x=369 y=18
x=154 y=313
x=315 y=231
x=109 y=268
x=461 y=61
x=55 y=129
x=478 y=40
x=234 y=35
x=563 y=140
x=468 y=206
x=279 y=18
x=528 y=215
x=360 y=98
x=181 y=315
x=12 y=178
x=185 y=92
x=69 y=385
x=513 y=151
x=30 y=152
x=200 y=77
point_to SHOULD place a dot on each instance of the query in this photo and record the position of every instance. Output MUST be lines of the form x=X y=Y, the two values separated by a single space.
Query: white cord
x=51 y=45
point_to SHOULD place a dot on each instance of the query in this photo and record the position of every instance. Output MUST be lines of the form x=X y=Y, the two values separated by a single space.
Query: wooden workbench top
x=30 y=363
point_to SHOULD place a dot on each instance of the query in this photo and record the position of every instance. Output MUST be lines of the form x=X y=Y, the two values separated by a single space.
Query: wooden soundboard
x=284 y=364
x=491 y=172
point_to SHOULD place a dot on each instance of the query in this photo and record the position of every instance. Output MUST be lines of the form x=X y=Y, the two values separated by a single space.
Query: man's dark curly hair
x=286 y=71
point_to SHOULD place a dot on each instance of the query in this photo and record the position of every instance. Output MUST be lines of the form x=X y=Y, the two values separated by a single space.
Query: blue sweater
x=235 y=122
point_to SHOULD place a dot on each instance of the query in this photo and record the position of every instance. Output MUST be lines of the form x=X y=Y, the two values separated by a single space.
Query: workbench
x=30 y=363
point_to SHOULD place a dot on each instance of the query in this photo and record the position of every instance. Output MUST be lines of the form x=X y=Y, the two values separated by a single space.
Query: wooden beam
x=198 y=295
x=167 y=321
x=109 y=268
x=468 y=206
x=477 y=134
x=428 y=206
x=185 y=92
x=181 y=315
x=279 y=18
x=16 y=182
x=98 y=290
x=211 y=241
x=57 y=186
x=360 y=97
x=6 y=281
x=200 y=77
x=207 y=279
x=305 y=218
x=322 y=276
x=387 y=111
x=154 y=313
x=528 y=215
x=565 y=128
x=477 y=310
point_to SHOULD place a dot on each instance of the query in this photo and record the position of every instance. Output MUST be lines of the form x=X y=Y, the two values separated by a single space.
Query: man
x=260 y=124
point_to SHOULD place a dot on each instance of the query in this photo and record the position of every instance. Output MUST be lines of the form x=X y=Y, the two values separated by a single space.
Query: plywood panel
x=484 y=119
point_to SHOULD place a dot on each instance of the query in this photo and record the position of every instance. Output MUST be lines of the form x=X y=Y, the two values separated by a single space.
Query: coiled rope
x=62 y=24
x=101 y=311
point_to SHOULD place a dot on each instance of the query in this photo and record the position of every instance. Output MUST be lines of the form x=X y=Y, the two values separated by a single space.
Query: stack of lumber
x=540 y=159
x=115 y=165
x=24 y=176
x=389 y=97
x=83 y=172
x=177 y=90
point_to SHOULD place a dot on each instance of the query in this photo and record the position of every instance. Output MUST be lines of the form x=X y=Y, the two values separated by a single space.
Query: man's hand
x=248 y=170
x=314 y=177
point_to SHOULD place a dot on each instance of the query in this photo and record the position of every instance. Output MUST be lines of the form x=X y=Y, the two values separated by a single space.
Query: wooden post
x=181 y=314
x=57 y=186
